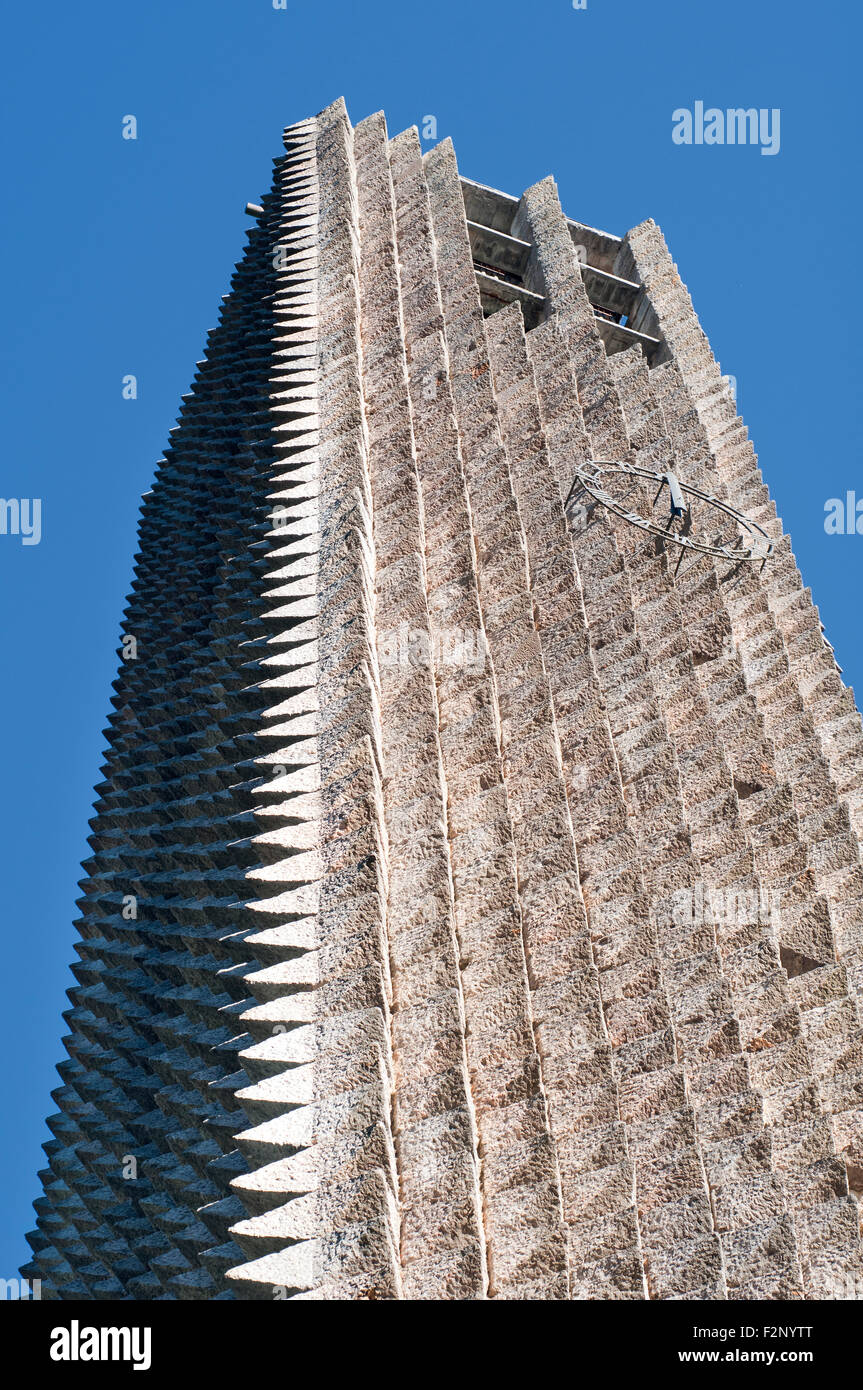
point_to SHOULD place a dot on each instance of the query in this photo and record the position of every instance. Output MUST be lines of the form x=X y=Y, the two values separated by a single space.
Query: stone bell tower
x=476 y=902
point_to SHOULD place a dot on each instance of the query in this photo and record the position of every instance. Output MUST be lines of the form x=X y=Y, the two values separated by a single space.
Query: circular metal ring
x=760 y=550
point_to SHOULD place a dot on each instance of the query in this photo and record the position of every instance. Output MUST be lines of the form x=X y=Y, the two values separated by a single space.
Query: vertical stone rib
x=519 y=1180
x=442 y=1243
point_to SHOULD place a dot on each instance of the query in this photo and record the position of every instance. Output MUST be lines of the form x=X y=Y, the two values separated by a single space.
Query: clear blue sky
x=116 y=252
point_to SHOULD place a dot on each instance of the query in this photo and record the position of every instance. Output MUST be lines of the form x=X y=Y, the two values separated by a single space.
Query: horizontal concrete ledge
x=617 y=337
x=496 y=293
x=493 y=248
x=600 y=248
x=609 y=291
x=491 y=207
x=487 y=206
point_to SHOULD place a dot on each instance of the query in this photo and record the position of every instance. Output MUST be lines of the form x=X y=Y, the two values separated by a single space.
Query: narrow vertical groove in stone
x=384 y=988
